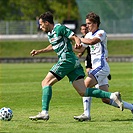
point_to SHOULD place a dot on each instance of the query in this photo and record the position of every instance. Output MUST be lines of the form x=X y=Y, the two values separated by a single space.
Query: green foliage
x=29 y=9
x=20 y=89
x=23 y=9
x=66 y=9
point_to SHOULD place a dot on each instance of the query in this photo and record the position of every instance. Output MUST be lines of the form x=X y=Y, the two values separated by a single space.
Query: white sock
x=44 y=112
x=126 y=105
x=112 y=96
x=97 y=86
x=87 y=105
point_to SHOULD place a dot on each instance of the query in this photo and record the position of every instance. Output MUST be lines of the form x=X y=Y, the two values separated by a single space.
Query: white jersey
x=99 y=51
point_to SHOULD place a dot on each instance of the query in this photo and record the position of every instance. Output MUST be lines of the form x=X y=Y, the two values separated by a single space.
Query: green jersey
x=59 y=38
x=68 y=63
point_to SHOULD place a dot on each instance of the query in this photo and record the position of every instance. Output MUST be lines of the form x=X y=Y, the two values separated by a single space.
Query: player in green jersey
x=60 y=38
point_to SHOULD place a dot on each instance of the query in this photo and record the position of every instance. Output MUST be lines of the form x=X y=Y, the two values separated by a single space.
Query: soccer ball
x=6 y=114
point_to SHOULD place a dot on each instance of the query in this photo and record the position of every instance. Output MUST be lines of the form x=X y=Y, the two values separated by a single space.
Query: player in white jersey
x=97 y=41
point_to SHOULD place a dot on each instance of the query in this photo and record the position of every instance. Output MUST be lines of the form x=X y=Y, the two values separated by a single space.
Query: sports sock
x=97 y=86
x=126 y=105
x=46 y=97
x=44 y=112
x=87 y=105
x=97 y=93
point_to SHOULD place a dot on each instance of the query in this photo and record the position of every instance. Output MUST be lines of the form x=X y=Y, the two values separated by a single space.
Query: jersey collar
x=95 y=31
x=51 y=33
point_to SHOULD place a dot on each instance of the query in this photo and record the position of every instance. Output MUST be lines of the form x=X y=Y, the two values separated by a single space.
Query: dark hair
x=94 y=18
x=47 y=16
x=83 y=25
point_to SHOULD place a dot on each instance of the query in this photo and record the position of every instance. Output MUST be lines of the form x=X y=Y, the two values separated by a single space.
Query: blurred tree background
x=29 y=9
x=116 y=15
x=65 y=9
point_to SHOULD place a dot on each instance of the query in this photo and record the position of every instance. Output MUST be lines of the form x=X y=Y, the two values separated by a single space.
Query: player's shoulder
x=60 y=27
x=57 y=26
x=101 y=31
x=88 y=35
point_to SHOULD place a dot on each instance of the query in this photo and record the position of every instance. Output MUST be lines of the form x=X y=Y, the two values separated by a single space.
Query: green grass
x=23 y=48
x=20 y=89
x=120 y=47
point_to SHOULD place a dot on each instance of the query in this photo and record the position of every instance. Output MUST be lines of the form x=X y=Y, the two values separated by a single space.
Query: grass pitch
x=20 y=48
x=20 y=89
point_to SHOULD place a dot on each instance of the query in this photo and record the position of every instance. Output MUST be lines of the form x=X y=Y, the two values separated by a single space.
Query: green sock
x=46 y=97
x=93 y=92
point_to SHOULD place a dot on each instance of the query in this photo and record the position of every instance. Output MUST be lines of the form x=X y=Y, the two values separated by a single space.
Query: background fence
x=30 y=27
x=18 y=27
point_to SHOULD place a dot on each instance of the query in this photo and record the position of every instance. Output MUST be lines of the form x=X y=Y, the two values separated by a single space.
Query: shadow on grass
x=122 y=120
x=119 y=120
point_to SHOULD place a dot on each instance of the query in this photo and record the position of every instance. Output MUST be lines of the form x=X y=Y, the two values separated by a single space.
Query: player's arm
x=45 y=50
x=89 y=41
x=77 y=41
x=81 y=53
x=80 y=50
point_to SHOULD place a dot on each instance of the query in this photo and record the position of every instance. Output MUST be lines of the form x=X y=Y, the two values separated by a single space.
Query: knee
x=81 y=94
x=105 y=100
x=44 y=83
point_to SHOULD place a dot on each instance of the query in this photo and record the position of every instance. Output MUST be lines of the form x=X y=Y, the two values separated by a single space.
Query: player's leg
x=94 y=92
x=101 y=78
x=47 y=83
x=57 y=72
x=104 y=87
x=51 y=78
x=87 y=106
x=86 y=100
x=126 y=105
x=85 y=116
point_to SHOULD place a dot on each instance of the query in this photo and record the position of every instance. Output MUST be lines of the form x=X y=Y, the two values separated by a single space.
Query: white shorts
x=100 y=73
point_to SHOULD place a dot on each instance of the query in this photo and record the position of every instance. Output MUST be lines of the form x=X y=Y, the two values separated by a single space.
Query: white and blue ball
x=6 y=114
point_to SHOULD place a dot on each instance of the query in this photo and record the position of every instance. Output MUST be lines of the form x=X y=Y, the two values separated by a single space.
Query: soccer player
x=68 y=65
x=96 y=39
x=88 y=65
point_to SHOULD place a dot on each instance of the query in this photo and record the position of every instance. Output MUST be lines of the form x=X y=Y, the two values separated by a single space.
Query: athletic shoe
x=40 y=116
x=118 y=100
x=82 y=117
x=109 y=77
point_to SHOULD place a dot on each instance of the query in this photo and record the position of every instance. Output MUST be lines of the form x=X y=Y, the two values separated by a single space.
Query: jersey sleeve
x=101 y=34
x=64 y=31
x=85 y=45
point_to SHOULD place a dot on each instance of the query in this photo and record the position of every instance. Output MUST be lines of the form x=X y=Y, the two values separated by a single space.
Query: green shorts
x=69 y=67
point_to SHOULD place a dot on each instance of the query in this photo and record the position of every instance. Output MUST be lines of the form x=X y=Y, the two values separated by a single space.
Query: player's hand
x=33 y=52
x=78 y=46
x=79 y=55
